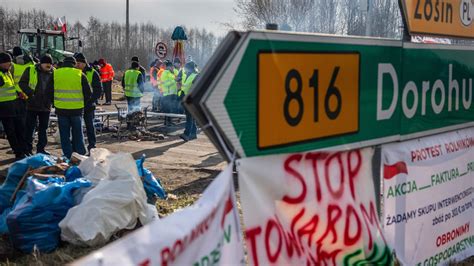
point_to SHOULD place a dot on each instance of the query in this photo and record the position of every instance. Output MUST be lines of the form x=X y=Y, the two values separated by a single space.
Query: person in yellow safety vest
x=178 y=72
x=170 y=91
x=154 y=69
x=35 y=82
x=19 y=68
x=93 y=77
x=132 y=83
x=13 y=123
x=190 y=130
x=70 y=94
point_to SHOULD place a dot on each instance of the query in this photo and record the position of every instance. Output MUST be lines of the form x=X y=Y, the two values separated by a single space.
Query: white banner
x=311 y=208
x=206 y=233
x=428 y=198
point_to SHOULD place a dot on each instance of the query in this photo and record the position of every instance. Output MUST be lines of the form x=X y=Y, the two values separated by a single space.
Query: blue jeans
x=133 y=104
x=68 y=124
x=90 y=129
x=190 y=128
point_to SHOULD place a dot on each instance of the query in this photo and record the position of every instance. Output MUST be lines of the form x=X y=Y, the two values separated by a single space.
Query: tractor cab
x=38 y=42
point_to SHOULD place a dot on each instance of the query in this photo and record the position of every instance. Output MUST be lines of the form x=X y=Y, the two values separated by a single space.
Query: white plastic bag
x=115 y=203
x=96 y=167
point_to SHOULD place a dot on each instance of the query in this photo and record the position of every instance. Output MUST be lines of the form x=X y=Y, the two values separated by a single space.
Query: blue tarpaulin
x=34 y=221
x=151 y=184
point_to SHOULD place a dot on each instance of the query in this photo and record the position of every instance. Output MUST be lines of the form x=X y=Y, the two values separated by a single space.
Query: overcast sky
x=168 y=13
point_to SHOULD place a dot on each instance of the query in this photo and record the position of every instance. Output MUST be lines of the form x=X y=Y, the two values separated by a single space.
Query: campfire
x=137 y=118
x=136 y=122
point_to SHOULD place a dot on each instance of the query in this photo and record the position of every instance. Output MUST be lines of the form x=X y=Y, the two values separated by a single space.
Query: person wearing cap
x=106 y=77
x=20 y=64
x=154 y=80
x=93 y=78
x=132 y=84
x=140 y=67
x=170 y=91
x=35 y=82
x=180 y=75
x=190 y=129
x=70 y=94
x=13 y=123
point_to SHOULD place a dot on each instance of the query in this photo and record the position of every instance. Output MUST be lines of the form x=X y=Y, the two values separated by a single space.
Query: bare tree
x=323 y=16
x=107 y=40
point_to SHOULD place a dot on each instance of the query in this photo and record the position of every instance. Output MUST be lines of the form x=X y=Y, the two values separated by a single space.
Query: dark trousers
x=156 y=101
x=32 y=118
x=14 y=128
x=68 y=124
x=190 y=128
x=169 y=104
x=89 y=116
x=107 y=87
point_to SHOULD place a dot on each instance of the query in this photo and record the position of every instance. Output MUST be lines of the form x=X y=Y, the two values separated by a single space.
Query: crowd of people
x=171 y=82
x=30 y=88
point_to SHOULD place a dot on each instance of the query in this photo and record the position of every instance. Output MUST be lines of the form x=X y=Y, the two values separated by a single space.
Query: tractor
x=37 y=42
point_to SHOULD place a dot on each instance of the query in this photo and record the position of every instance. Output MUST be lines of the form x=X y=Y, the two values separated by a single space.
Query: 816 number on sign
x=306 y=96
x=332 y=91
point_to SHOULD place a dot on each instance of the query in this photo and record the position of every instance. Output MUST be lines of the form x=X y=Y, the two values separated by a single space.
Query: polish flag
x=61 y=22
x=389 y=171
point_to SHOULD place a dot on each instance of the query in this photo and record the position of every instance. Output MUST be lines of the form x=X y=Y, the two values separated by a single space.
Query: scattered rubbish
x=16 y=173
x=153 y=187
x=84 y=200
x=117 y=201
x=33 y=223
x=144 y=135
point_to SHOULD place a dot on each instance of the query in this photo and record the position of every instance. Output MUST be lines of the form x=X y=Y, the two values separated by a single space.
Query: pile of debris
x=145 y=135
x=136 y=118
x=84 y=201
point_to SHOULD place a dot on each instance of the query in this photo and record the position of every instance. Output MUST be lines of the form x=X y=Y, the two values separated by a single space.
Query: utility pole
x=368 y=21
x=127 y=35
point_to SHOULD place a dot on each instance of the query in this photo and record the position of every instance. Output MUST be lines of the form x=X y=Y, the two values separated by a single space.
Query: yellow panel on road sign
x=306 y=96
x=446 y=18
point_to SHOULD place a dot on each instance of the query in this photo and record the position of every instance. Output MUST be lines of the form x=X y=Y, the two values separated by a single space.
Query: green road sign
x=278 y=92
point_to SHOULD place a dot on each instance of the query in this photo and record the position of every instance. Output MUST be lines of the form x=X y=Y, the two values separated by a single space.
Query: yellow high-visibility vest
x=68 y=88
x=131 y=85
x=7 y=90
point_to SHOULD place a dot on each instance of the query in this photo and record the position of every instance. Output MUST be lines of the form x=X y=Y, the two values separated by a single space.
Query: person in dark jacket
x=140 y=67
x=93 y=78
x=70 y=94
x=35 y=82
x=13 y=123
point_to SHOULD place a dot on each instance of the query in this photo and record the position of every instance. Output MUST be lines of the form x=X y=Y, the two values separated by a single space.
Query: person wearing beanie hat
x=70 y=93
x=35 y=82
x=5 y=58
x=71 y=61
x=46 y=59
x=180 y=76
x=20 y=63
x=80 y=58
x=17 y=51
x=132 y=84
x=13 y=123
x=106 y=77
x=190 y=129
x=169 y=101
x=93 y=78
x=140 y=67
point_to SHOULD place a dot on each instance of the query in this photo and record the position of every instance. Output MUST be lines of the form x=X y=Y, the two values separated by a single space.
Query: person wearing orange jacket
x=106 y=77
